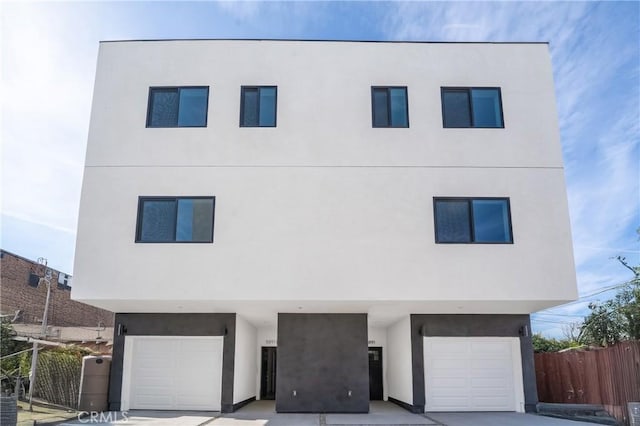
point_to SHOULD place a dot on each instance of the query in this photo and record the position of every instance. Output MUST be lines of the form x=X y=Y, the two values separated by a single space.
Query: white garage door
x=172 y=373
x=473 y=374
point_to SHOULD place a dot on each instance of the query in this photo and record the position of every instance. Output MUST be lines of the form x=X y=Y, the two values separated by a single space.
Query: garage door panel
x=146 y=360
x=150 y=399
x=448 y=364
x=198 y=346
x=152 y=348
x=173 y=372
x=192 y=399
x=476 y=373
x=452 y=403
x=145 y=391
x=151 y=382
x=490 y=373
x=491 y=383
x=491 y=349
x=448 y=382
x=452 y=350
x=447 y=393
x=494 y=364
x=491 y=403
x=479 y=378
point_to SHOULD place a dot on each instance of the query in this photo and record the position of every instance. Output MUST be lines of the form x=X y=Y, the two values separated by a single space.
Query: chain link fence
x=58 y=380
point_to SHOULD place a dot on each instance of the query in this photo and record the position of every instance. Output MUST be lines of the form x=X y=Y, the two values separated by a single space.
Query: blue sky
x=48 y=58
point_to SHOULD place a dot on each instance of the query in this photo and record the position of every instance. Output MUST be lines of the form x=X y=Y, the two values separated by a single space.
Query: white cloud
x=241 y=9
x=599 y=125
x=48 y=65
x=46 y=102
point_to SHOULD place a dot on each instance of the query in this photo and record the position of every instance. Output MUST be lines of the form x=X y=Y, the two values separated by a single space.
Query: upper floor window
x=389 y=107
x=471 y=107
x=472 y=220
x=177 y=107
x=175 y=219
x=258 y=106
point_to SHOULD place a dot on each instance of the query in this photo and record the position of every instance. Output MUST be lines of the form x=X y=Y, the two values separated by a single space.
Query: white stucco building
x=323 y=198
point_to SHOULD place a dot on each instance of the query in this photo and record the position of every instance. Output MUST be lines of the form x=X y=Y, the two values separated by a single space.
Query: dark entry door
x=375 y=373
x=268 y=375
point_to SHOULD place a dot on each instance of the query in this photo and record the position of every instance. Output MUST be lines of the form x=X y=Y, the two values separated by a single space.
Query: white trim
x=126 y=373
x=518 y=379
x=127 y=362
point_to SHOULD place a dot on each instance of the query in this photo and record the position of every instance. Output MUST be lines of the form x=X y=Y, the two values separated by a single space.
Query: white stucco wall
x=314 y=208
x=399 y=374
x=245 y=367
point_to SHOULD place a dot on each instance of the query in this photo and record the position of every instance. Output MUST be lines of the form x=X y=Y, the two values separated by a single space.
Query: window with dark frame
x=175 y=220
x=466 y=107
x=178 y=106
x=258 y=106
x=34 y=280
x=472 y=220
x=389 y=107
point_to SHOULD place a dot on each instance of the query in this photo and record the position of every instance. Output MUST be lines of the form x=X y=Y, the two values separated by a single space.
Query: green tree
x=629 y=301
x=616 y=319
x=546 y=344
x=10 y=367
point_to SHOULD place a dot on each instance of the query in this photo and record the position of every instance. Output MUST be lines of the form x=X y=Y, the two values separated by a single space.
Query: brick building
x=20 y=291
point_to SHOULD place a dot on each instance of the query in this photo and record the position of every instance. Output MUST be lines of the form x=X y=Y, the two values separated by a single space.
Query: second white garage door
x=473 y=374
x=172 y=373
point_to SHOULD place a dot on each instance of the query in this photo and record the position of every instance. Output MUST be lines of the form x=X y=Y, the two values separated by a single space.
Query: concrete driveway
x=262 y=413
x=499 y=419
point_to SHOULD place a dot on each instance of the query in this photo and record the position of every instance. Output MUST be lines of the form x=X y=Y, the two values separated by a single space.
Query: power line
x=585 y=296
x=558 y=315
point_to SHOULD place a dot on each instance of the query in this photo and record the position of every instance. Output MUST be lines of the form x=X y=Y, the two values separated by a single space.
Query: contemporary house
x=323 y=223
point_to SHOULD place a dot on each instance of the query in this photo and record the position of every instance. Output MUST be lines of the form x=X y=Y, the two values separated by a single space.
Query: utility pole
x=34 y=359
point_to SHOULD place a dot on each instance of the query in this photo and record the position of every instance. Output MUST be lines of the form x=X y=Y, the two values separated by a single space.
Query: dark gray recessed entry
x=323 y=363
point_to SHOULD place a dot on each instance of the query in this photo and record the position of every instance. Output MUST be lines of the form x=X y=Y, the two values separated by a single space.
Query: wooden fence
x=608 y=376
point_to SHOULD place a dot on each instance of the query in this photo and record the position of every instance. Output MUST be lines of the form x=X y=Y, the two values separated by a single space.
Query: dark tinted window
x=452 y=221
x=158 y=220
x=380 y=108
x=486 y=108
x=258 y=106
x=398 y=102
x=267 y=106
x=193 y=107
x=389 y=107
x=34 y=280
x=163 y=108
x=455 y=106
x=178 y=107
x=471 y=107
x=175 y=219
x=194 y=219
x=467 y=220
x=491 y=221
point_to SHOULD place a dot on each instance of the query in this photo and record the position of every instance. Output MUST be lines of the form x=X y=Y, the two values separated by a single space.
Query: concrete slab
x=499 y=419
x=238 y=422
x=407 y=419
x=269 y=420
x=42 y=413
x=259 y=413
x=147 y=418
x=262 y=413
x=380 y=413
